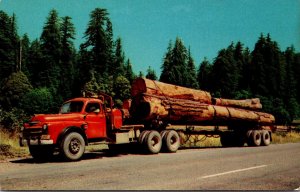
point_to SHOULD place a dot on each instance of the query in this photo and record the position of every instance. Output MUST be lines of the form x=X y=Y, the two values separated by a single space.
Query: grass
x=200 y=141
x=9 y=146
x=290 y=137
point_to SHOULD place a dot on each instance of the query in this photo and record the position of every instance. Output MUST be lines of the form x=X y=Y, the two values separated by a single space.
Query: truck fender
x=68 y=130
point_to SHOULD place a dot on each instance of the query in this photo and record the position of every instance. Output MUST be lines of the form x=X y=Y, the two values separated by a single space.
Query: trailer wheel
x=142 y=136
x=41 y=153
x=163 y=133
x=265 y=138
x=256 y=138
x=171 y=141
x=153 y=142
x=249 y=138
x=73 y=146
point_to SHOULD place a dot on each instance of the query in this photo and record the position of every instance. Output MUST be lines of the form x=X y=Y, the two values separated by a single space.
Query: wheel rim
x=266 y=136
x=173 y=140
x=154 y=141
x=74 y=146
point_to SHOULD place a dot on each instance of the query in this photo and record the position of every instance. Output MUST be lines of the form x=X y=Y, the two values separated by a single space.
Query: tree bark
x=143 y=85
x=182 y=111
x=245 y=104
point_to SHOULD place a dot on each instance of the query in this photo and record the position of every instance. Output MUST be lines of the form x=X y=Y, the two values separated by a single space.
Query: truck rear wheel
x=41 y=152
x=171 y=141
x=153 y=142
x=142 y=136
x=265 y=138
x=73 y=146
x=256 y=138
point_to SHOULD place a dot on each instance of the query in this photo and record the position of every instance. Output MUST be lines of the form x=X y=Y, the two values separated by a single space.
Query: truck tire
x=142 y=136
x=153 y=142
x=73 y=146
x=265 y=138
x=249 y=138
x=171 y=141
x=163 y=133
x=41 y=152
x=256 y=138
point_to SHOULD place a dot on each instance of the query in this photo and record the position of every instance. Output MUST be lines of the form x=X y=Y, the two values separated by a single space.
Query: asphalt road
x=275 y=167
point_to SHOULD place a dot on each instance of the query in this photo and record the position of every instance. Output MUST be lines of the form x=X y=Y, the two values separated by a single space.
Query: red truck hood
x=57 y=117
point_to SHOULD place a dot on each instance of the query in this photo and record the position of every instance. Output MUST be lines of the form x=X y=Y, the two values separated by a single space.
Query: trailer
x=155 y=118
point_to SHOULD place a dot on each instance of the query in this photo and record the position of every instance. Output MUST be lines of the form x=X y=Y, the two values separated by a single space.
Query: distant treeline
x=37 y=76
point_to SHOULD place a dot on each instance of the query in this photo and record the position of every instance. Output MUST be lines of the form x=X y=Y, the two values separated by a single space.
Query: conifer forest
x=37 y=75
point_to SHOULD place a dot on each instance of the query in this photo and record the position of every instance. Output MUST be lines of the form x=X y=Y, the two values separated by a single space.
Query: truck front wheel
x=73 y=146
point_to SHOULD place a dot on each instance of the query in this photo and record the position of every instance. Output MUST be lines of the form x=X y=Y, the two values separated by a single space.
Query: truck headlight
x=45 y=128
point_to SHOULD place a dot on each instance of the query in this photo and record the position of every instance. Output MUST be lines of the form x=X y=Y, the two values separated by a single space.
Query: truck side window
x=93 y=108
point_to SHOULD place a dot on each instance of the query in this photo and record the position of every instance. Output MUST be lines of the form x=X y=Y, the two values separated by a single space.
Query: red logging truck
x=156 y=118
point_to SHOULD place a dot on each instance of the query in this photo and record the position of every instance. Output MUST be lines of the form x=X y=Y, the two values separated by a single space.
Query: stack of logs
x=181 y=105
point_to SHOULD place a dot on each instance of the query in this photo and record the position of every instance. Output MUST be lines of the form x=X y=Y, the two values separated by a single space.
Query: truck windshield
x=72 y=107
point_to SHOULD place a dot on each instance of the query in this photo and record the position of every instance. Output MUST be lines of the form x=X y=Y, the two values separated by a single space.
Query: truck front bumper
x=26 y=142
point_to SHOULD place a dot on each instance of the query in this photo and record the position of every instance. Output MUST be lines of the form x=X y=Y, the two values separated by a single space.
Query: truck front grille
x=32 y=132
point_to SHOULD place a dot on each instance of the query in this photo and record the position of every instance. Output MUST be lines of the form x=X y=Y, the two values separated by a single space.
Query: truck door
x=96 y=120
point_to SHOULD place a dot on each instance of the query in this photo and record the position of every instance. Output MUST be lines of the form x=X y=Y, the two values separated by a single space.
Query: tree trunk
x=246 y=104
x=182 y=111
x=142 y=85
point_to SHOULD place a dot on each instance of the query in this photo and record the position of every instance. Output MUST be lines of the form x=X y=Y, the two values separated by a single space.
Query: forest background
x=37 y=76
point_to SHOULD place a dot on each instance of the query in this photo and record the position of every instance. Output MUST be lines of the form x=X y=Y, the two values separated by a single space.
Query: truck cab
x=79 y=122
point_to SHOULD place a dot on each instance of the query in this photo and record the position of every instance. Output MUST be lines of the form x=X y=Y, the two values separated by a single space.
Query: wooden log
x=246 y=103
x=184 y=111
x=143 y=85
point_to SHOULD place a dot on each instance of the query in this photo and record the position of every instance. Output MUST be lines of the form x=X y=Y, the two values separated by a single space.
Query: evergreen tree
x=225 y=74
x=67 y=58
x=204 y=75
x=8 y=45
x=239 y=61
x=191 y=70
x=25 y=45
x=166 y=75
x=51 y=49
x=174 y=68
x=290 y=92
x=245 y=75
x=98 y=37
x=151 y=74
x=258 y=82
x=141 y=74
x=118 y=67
x=179 y=63
x=128 y=71
x=34 y=63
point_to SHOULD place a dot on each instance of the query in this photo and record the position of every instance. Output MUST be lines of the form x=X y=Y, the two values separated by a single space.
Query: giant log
x=182 y=111
x=246 y=103
x=143 y=85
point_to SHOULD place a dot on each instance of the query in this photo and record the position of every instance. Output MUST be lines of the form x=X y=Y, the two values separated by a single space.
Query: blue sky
x=147 y=26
